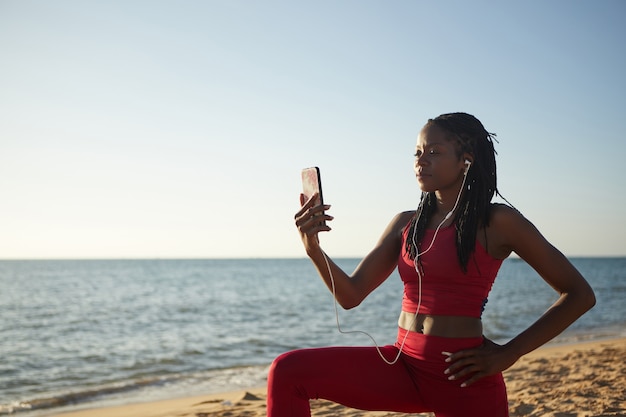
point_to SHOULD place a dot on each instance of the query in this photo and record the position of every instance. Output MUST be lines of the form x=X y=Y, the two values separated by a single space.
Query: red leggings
x=358 y=378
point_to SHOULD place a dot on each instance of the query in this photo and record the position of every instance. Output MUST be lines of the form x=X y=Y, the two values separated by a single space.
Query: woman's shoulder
x=504 y=221
x=404 y=218
x=501 y=215
x=509 y=230
x=399 y=222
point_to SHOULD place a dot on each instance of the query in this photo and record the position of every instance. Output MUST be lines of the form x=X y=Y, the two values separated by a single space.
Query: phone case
x=312 y=183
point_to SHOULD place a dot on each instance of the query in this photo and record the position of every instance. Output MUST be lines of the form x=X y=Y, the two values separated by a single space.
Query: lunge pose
x=448 y=253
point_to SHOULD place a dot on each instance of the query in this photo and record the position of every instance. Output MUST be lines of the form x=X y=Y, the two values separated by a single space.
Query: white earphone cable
x=419 y=280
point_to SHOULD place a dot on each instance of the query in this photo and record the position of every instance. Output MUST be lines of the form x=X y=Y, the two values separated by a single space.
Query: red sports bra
x=446 y=289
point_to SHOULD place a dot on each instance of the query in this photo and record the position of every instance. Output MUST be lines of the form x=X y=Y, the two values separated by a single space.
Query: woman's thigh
x=354 y=376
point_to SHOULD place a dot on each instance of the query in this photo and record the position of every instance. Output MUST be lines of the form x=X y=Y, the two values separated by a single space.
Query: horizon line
x=195 y=258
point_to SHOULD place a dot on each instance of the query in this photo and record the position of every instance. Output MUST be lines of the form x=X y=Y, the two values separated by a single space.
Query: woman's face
x=437 y=166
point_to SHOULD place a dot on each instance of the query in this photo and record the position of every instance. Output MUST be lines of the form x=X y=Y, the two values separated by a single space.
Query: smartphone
x=311 y=184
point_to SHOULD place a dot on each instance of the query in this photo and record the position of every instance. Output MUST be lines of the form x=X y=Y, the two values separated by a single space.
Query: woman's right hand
x=310 y=220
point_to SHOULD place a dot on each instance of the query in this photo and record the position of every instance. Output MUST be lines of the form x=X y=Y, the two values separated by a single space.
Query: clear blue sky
x=179 y=129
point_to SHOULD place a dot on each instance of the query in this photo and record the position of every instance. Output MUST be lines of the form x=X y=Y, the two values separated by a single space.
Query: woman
x=448 y=253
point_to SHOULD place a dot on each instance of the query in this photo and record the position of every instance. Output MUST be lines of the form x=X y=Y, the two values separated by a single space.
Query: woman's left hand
x=473 y=364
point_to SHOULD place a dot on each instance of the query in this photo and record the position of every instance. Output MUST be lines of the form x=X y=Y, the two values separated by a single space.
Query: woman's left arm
x=515 y=233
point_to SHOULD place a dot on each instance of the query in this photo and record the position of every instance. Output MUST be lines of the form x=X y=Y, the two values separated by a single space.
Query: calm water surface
x=91 y=333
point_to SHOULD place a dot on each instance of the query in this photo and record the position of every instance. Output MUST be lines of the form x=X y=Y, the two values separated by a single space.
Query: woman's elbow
x=350 y=300
x=348 y=304
x=586 y=298
x=590 y=298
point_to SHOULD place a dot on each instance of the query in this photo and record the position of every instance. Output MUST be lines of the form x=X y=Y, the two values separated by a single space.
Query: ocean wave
x=81 y=396
x=140 y=389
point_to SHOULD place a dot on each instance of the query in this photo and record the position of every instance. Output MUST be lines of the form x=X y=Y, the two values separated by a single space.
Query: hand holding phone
x=311 y=184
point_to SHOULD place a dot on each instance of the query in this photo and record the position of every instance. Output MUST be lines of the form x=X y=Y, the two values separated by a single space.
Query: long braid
x=425 y=209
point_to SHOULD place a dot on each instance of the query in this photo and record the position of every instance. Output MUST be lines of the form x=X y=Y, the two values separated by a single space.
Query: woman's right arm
x=373 y=270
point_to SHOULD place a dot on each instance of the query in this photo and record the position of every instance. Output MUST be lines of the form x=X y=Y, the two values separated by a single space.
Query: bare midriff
x=444 y=326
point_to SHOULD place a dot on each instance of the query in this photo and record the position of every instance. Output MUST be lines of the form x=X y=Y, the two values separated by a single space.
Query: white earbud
x=468 y=164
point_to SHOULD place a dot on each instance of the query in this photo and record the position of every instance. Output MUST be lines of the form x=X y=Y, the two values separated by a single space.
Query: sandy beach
x=578 y=380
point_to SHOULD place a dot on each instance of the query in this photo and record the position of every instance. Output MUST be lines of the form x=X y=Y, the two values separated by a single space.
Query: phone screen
x=311 y=184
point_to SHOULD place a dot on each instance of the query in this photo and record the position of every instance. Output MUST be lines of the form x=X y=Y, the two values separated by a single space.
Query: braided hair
x=470 y=136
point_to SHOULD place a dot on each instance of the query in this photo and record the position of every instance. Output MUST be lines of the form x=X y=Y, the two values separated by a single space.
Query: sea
x=79 y=334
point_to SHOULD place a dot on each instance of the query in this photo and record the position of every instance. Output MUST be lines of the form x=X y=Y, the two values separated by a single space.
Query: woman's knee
x=285 y=366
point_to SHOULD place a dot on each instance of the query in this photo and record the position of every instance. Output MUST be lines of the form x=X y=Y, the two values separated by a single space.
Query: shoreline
x=580 y=379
